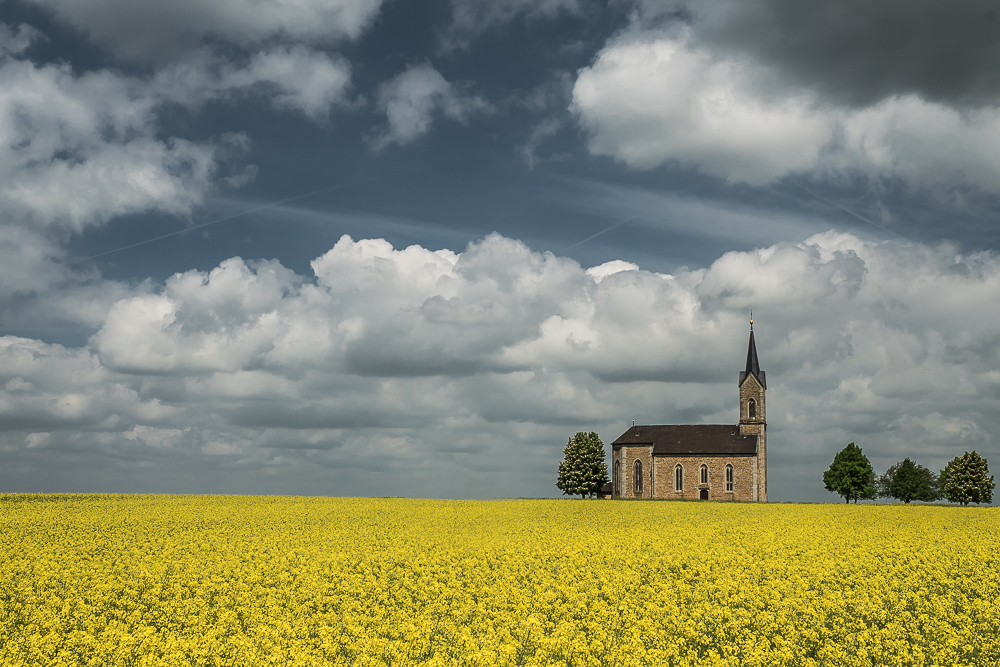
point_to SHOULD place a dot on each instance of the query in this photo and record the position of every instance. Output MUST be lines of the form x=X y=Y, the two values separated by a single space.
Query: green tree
x=967 y=479
x=884 y=481
x=583 y=469
x=943 y=477
x=851 y=475
x=908 y=481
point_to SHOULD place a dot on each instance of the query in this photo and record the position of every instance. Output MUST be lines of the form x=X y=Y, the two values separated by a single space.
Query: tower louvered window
x=751 y=409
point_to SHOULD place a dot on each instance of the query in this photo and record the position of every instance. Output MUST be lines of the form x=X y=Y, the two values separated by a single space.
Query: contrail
x=847 y=210
x=264 y=207
x=603 y=231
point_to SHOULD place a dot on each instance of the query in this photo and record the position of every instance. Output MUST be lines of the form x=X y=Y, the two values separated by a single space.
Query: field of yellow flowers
x=231 y=580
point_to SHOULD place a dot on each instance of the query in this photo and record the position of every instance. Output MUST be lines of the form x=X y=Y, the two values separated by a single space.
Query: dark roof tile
x=680 y=440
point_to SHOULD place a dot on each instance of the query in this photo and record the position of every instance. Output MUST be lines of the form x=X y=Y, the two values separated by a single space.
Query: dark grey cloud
x=858 y=52
x=301 y=415
x=375 y=359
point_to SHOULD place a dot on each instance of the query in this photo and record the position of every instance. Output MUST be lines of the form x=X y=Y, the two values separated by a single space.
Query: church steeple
x=753 y=365
x=753 y=415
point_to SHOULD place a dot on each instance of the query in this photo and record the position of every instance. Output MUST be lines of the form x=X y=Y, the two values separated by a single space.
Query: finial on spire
x=751 y=319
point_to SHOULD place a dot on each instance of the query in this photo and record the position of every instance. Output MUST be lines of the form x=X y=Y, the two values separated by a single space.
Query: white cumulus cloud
x=412 y=98
x=77 y=150
x=396 y=369
x=646 y=102
x=651 y=98
x=288 y=78
x=162 y=31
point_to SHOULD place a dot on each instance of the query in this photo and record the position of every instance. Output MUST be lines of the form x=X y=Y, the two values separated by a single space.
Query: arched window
x=638 y=478
x=751 y=409
x=679 y=478
x=729 y=478
x=704 y=474
x=618 y=478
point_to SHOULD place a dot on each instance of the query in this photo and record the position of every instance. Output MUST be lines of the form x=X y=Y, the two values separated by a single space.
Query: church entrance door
x=703 y=495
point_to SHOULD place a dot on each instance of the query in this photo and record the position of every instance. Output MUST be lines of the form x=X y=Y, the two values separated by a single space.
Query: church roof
x=710 y=439
x=753 y=366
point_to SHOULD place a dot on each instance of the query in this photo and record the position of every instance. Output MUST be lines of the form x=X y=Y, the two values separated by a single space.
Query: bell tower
x=753 y=415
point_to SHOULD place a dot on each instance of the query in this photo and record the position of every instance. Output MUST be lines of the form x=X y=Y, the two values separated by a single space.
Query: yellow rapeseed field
x=223 y=580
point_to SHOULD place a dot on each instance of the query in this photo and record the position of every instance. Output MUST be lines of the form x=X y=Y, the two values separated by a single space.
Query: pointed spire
x=753 y=365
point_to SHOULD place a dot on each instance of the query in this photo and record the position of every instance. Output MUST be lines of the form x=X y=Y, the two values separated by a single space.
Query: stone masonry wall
x=742 y=477
x=627 y=455
x=751 y=388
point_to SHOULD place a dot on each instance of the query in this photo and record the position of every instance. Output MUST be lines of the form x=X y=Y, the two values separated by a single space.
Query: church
x=706 y=462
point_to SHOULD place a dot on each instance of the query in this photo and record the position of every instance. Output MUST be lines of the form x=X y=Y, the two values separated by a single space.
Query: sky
x=409 y=248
